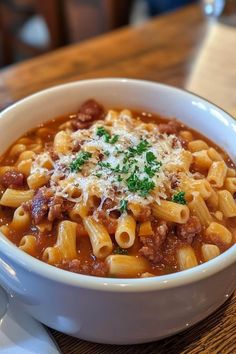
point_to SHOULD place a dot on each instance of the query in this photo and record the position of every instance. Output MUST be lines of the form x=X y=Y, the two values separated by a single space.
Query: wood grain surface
x=161 y=50
x=164 y=50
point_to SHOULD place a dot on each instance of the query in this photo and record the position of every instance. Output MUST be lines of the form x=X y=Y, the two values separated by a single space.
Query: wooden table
x=163 y=50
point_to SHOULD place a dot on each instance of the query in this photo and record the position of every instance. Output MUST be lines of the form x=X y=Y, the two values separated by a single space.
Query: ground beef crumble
x=97 y=268
x=12 y=179
x=87 y=114
x=172 y=127
x=187 y=232
x=46 y=205
x=152 y=246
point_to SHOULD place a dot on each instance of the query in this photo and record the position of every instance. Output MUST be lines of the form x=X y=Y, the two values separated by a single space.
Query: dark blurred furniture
x=160 y=6
x=67 y=21
x=88 y=18
x=15 y=13
x=230 y=7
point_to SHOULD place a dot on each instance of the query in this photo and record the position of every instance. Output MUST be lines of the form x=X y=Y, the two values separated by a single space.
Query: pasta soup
x=117 y=193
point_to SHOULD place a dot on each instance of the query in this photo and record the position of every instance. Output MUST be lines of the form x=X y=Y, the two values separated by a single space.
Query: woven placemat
x=204 y=338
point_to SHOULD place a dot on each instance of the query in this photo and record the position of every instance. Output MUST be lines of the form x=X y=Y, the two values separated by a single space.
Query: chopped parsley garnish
x=124 y=169
x=140 y=148
x=117 y=169
x=142 y=186
x=146 y=186
x=119 y=178
x=153 y=166
x=80 y=160
x=114 y=139
x=119 y=250
x=107 y=153
x=98 y=174
x=179 y=198
x=150 y=157
x=123 y=205
x=102 y=132
x=129 y=166
x=150 y=171
x=104 y=164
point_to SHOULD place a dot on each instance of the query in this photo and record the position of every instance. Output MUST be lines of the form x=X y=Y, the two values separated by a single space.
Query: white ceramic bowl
x=117 y=311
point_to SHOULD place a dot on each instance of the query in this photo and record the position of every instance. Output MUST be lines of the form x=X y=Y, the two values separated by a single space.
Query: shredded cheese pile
x=120 y=157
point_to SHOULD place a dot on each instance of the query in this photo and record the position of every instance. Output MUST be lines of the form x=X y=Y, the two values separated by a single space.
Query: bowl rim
x=162 y=282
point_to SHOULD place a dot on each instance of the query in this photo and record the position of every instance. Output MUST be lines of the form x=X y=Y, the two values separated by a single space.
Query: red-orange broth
x=87 y=263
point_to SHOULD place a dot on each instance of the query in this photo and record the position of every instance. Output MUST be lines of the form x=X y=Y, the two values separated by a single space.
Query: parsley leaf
x=150 y=157
x=117 y=169
x=149 y=171
x=125 y=169
x=140 y=148
x=123 y=205
x=152 y=160
x=146 y=186
x=153 y=165
x=119 y=178
x=119 y=250
x=142 y=186
x=114 y=139
x=104 y=164
x=80 y=160
x=98 y=174
x=179 y=198
x=101 y=131
x=133 y=183
x=107 y=153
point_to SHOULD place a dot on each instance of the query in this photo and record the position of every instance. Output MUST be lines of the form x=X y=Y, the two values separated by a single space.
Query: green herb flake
x=123 y=205
x=98 y=174
x=142 y=186
x=117 y=169
x=119 y=178
x=140 y=148
x=107 y=153
x=152 y=160
x=119 y=250
x=104 y=164
x=153 y=166
x=179 y=198
x=150 y=157
x=80 y=160
x=125 y=169
x=149 y=171
x=102 y=132
x=114 y=139
x=146 y=186
x=133 y=183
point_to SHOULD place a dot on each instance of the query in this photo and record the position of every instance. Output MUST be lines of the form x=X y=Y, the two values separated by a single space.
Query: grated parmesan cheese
x=108 y=167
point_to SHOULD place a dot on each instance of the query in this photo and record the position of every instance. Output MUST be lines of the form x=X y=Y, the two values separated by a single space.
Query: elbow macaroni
x=118 y=196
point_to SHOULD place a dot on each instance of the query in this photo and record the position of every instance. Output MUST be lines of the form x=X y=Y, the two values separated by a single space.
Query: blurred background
x=32 y=27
